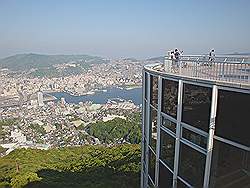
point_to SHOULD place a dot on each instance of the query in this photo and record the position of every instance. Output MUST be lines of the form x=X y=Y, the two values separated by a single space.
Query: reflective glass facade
x=169 y=97
x=165 y=176
x=191 y=165
x=229 y=163
x=180 y=184
x=145 y=86
x=168 y=124
x=194 y=134
x=154 y=91
x=196 y=106
x=167 y=149
x=151 y=165
x=153 y=128
x=195 y=138
x=232 y=120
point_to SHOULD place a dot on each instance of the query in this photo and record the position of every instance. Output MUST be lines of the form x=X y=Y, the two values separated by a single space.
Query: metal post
x=223 y=69
x=167 y=64
x=158 y=130
x=178 y=133
x=147 y=124
x=241 y=69
x=180 y=67
x=211 y=136
x=143 y=126
x=247 y=74
x=196 y=67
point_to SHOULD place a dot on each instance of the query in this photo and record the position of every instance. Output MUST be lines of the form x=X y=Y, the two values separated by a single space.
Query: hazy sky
x=123 y=28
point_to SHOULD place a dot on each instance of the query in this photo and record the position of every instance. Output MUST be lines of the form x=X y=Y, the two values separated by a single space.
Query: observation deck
x=196 y=129
x=221 y=70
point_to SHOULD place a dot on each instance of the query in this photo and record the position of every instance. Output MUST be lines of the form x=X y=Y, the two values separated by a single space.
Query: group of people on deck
x=175 y=54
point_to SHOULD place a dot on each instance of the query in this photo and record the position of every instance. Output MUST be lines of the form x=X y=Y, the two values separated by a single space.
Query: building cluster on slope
x=57 y=124
x=41 y=122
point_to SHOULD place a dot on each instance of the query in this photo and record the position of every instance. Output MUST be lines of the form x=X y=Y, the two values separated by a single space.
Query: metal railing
x=231 y=68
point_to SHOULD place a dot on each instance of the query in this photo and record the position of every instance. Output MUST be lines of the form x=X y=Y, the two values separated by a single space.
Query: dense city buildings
x=196 y=123
x=32 y=117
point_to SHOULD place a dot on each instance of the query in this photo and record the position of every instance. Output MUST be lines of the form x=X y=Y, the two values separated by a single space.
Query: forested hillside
x=117 y=130
x=86 y=166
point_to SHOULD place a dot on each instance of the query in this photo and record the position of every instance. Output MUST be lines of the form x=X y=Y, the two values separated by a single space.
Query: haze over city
x=115 y=29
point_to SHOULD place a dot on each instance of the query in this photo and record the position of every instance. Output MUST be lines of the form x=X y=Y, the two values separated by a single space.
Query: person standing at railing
x=172 y=55
x=182 y=64
x=177 y=57
x=172 y=58
x=211 y=57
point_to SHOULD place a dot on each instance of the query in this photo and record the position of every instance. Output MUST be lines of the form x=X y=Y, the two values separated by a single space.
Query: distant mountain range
x=156 y=59
x=22 y=62
x=130 y=59
x=239 y=53
x=28 y=61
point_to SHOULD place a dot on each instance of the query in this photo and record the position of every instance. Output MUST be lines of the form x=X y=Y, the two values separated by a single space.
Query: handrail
x=218 y=59
x=223 y=68
x=220 y=56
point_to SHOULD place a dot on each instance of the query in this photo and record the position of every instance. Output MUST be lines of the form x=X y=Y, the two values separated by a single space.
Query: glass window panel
x=169 y=97
x=196 y=106
x=165 y=177
x=144 y=150
x=232 y=120
x=154 y=90
x=150 y=184
x=145 y=85
x=145 y=120
x=195 y=138
x=151 y=164
x=153 y=128
x=230 y=166
x=191 y=165
x=167 y=149
x=169 y=124
x=180 y=184
x=144 y=167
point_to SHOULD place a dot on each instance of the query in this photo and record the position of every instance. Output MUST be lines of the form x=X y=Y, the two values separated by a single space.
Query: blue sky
x=123 y=28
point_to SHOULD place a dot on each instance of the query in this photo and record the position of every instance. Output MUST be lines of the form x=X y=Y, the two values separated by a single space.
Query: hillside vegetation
x=117 y=130
x=86 y=166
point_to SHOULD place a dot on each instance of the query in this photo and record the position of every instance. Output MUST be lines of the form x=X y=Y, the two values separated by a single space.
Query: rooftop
x=222 y=70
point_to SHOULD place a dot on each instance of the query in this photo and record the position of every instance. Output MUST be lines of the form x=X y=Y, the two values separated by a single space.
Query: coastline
x=93 y=92
x=101 y=96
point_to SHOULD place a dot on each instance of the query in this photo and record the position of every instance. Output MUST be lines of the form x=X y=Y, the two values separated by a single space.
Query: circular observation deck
x=196 y=123
x=232 y=71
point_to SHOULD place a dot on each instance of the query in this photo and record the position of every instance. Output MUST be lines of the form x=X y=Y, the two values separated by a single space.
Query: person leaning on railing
x=211 y=57
x=177 y=57
x=174 y=60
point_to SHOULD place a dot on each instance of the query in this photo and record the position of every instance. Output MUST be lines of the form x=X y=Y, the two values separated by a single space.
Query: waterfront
x=101 y=97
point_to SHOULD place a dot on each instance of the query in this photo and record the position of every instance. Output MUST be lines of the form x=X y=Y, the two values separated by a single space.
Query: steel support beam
x=178 y=133
x=211 y=136
x=158 y=130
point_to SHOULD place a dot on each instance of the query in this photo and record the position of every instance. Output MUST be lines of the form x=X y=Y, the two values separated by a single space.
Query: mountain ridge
x=28 y=61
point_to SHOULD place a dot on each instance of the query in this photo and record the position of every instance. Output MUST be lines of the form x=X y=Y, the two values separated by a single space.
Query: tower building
x=196 y=126
x=40 y=98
